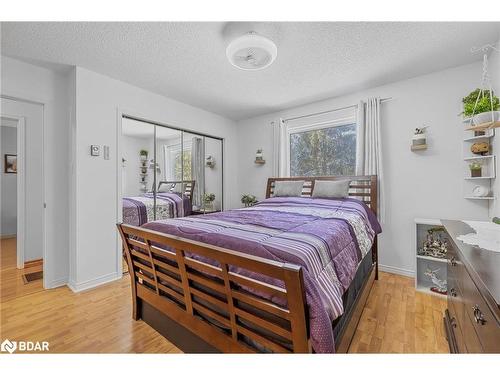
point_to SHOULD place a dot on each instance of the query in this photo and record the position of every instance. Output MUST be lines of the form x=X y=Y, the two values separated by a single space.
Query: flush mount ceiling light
x=251 y=52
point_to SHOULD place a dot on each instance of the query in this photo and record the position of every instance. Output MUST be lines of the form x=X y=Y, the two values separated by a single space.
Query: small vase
x=208 y=206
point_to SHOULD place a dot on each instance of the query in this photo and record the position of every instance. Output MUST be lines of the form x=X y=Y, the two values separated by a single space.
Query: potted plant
x=144 y=155
x=248 y=200
x=486 y=108
x=208 y=199
x=475 y=169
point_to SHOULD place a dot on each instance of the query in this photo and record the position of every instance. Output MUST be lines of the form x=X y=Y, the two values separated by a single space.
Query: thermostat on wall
x=94 y=150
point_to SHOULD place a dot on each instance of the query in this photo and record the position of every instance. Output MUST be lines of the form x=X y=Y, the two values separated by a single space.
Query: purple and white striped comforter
x=140 y=210
x=327 y=237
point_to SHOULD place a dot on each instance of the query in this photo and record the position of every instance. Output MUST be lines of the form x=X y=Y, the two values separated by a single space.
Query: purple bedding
x=327 y=237
x=140 y=210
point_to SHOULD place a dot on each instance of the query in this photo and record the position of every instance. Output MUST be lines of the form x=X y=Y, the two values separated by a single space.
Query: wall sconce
x=210 y=161
x=259 y=158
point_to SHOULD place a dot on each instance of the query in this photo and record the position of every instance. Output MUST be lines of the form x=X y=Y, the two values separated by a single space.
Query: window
x=323 y=152
x=323 y=144
x=175 y=165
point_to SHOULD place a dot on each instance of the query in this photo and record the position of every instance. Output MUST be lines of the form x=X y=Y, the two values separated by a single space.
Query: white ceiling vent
x=251 y=52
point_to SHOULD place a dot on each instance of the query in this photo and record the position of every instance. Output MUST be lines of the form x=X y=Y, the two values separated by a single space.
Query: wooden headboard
x=362 y=187
x=187 y=186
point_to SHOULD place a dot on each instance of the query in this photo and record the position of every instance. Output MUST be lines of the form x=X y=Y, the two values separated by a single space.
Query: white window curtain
x=198 y=170
x=369 y=147
x=279 y=148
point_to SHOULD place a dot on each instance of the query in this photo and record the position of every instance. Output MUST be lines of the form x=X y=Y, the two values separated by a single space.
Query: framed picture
x=10 y=163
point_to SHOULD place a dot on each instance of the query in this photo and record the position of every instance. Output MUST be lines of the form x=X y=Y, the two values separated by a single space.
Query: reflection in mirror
x=213 y=172
x=137 y=149
x=173 y=197
x=193 y=166
x=168 y=172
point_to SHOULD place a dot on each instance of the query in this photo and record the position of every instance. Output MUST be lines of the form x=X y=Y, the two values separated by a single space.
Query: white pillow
x=288 y=188
x=331 y=189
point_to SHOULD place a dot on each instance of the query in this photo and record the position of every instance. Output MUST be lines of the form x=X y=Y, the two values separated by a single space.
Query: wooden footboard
x=210 y=300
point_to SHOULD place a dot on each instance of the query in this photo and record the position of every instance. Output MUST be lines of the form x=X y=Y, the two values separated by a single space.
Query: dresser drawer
x=480 y=318
x=456 y=303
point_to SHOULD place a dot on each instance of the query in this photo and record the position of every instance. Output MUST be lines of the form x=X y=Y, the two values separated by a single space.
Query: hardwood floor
x=11 y=281
x=396 y=319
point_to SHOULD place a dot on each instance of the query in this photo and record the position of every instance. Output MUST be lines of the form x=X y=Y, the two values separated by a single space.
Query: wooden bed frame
x=202 y=307
x=188 y=186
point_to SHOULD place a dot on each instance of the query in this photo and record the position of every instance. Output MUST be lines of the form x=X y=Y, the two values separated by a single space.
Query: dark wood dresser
x=472 y=320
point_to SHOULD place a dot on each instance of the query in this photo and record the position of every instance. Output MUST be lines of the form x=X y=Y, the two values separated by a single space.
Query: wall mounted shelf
x=485 y=126
x=479 y=178
x=419 y=147
x=479 y=157
x=481 y=198
x=477 y=138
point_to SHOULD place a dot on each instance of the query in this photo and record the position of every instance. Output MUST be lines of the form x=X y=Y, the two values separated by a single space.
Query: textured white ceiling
x=187 y=62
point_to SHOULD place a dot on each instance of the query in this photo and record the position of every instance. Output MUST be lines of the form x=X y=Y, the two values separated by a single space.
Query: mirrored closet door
x=168 y=172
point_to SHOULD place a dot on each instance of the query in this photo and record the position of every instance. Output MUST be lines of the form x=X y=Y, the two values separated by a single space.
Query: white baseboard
x=57 y=283
x=84 y=285
x=396 y=270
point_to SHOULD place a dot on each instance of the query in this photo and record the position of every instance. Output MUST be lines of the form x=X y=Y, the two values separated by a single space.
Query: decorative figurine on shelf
x=480 y=148
x=434 y=246
x=440 y=285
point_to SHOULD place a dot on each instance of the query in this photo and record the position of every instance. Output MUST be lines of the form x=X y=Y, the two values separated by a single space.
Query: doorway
x=22 y=196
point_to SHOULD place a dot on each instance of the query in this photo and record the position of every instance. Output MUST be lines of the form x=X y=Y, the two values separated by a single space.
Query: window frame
x=349 y=120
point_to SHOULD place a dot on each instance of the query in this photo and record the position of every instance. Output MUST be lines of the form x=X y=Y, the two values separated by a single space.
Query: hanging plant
x=483 y=104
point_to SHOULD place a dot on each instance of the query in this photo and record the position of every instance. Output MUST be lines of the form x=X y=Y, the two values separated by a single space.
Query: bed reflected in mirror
x=168 y=172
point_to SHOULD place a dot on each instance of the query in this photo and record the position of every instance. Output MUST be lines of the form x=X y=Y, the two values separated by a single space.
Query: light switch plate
x=105 y=150
x=95 y=150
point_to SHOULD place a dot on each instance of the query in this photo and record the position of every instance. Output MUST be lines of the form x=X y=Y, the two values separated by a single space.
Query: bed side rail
x=211 y=300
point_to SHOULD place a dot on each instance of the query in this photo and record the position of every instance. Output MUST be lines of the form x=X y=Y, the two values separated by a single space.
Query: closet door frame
x=133 y=115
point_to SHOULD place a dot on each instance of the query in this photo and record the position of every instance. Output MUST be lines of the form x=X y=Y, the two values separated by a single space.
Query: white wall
x=494 y=70
x=417 y=184
x=94 y=254
x=9 y=181
x=29 y=82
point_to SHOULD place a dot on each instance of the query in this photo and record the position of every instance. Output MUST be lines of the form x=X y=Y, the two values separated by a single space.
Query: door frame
x=20 y=186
